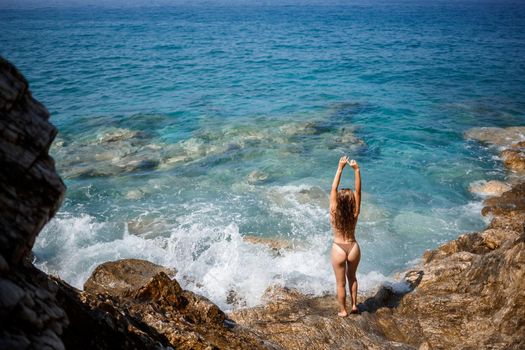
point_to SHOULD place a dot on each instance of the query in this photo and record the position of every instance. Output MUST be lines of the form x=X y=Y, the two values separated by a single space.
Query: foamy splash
x=214 y=260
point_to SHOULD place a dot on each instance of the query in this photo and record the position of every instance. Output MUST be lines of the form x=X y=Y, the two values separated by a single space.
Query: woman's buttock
x=350 y=248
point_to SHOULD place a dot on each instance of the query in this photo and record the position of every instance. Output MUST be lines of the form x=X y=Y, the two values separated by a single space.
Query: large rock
x=30 y=194
x=122 y=276
x=514 y=159
x=31 y=191
x=30 y=316
x=489 y=188
x=500 y=137
x=98 y=322
x=147 y=296
x=295 y=321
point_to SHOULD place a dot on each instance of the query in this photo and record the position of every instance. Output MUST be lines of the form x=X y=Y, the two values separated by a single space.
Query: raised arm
x=333 y=193
x=357 y=192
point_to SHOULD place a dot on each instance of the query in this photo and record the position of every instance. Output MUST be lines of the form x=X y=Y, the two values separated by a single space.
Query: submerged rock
x=489 y=188
x=257 y=177
x=147 y=226
x=510 y=141
x=500 y=137
x=274 y=244
x=345 y=139
x=110 y=153
x=120 y=135
x=302 y=195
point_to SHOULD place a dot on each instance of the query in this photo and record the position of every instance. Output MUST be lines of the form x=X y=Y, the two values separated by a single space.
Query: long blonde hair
x=343 y=217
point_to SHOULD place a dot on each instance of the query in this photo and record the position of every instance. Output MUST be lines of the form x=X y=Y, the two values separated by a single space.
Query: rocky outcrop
x=510 y=141
x=468 y=293
x=149 y=297
x=120 y=277
x=30 y=194
x=31 y=191
x=134 y=304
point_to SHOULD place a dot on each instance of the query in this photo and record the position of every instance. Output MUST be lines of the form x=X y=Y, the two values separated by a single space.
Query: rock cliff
x=30 y=194
x=468 y=293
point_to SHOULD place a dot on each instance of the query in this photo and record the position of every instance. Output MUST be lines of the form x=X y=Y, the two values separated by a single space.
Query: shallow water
x=183 y=129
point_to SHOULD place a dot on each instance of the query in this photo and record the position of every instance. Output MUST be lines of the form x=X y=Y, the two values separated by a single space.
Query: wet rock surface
x=122 y=276
x=185 y=320
x=489 y=188
x=514 y=159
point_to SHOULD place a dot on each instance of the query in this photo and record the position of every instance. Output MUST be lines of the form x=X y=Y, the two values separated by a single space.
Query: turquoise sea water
x=184 y=129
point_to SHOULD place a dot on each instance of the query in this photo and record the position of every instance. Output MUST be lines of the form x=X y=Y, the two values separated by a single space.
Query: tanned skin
x=345 y=264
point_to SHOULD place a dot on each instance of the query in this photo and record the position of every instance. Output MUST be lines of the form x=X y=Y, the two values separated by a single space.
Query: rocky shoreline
x=468 y=293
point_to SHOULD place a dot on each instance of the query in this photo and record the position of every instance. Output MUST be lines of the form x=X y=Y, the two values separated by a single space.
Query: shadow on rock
x=390 y=295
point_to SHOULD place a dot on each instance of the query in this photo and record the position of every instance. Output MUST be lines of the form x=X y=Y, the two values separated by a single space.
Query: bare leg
x=352 y=262
x=338 y=258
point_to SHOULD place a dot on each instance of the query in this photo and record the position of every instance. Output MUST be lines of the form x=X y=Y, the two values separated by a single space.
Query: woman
x=344 y=211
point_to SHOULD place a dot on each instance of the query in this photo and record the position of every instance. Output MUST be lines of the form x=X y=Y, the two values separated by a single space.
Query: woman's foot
x=342 y=313
x=355 y=310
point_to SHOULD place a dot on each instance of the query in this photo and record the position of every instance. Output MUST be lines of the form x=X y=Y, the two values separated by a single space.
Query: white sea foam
x=373 y=279
x=213 y=261
x=207 y=248
x=73 y=247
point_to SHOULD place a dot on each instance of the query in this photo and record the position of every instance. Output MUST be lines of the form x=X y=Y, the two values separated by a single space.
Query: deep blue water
x=184 y=129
